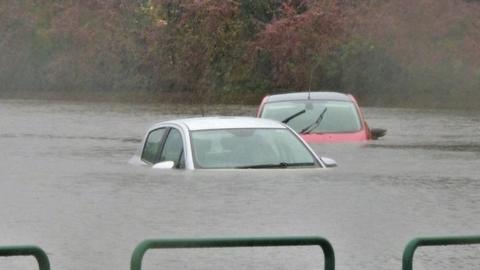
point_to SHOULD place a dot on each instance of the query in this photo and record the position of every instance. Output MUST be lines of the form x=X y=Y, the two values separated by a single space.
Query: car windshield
x=318 y=116
x=249 y=148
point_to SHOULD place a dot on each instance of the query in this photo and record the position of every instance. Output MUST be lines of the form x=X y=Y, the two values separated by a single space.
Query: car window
x=173 y=149
x=233 y=148
x=338 y=116
x=153 y=145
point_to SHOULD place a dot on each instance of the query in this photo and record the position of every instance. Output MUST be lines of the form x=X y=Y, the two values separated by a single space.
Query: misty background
x=414 y=53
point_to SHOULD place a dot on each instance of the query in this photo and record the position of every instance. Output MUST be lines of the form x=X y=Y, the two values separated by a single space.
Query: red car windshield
x=315 y=116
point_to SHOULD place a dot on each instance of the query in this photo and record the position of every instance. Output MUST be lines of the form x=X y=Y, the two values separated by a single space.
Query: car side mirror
x=377 y=133
x=329 y=163
x=164 y=165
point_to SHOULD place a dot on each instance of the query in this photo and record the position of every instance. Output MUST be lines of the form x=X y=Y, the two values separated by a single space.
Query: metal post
x=38 y=253
x=140 y=250
x=408 y=252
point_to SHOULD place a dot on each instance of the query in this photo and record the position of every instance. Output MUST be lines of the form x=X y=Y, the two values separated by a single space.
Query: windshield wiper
x=314 y=124
x=277 y=165
x=286 y=120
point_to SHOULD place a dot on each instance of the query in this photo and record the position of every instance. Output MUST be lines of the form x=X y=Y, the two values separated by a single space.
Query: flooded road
x=65 y=186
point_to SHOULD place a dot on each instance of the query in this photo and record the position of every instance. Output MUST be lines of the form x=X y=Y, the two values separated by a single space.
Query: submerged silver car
x=225 y=142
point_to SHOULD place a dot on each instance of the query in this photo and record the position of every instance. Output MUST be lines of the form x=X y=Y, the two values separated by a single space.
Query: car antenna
x=310 y=84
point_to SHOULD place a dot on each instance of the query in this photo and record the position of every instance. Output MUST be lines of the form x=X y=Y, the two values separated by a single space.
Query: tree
x=296 y=41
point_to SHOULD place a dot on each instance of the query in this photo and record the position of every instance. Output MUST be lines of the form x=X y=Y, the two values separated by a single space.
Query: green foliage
x=260 y=11
x=364 y=69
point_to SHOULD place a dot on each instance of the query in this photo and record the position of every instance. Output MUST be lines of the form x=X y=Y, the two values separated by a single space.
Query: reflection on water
x=65 y=185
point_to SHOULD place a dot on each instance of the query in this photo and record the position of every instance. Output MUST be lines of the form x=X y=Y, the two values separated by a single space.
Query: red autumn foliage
x=298 y=39
x=379 y=48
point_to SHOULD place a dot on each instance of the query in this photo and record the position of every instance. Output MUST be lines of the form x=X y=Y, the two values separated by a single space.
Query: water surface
x=65 y=185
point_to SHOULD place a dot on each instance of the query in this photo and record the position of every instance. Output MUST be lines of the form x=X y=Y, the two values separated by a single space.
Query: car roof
x=224 y=122
x=304 y=96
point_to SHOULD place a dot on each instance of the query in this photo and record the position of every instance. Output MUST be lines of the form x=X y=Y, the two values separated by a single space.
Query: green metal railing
x=141 y=249
x=329 y=264
x=38 y=253
x=408 y=252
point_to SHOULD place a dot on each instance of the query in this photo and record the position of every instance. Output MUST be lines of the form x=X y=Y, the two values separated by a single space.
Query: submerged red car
x=320 y=117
